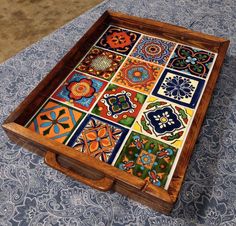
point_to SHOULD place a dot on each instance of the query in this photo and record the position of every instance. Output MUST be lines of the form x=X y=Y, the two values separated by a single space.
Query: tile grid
x=186 y=132
x=148 y=95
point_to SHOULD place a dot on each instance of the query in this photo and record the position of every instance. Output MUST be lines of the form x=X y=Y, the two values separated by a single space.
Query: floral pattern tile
x=80 y=90
x=191 y=60
x=153 y=50
x=55 y=121
x=98 y=138
x=164 y=121
x=119 y=105
x=101 y=63
x=146 y=158
x=118 y=39
x=179 y=88
x=138 y=75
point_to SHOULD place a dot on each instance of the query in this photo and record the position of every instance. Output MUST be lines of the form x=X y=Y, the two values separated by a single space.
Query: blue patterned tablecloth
x=33 y=194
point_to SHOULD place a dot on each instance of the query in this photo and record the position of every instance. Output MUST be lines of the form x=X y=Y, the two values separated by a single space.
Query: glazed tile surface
x=119 y=105
x=101 y=63
x=164 y=120
x=80 y=90
x=139 y=75
x=31 y=193
x=146 y=158
x=98 y=138
x=55 y=121
x=153 y=50
x=118 y=39
x=179 y=88
x=191 y=60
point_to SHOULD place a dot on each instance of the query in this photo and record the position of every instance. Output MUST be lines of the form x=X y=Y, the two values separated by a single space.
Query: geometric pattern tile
x=56 y=121
x=101 y=63
x=119 y=105
x=153 y=50
x=147 y=158
x=80 y=90
x=118 y=39
x=179 y=88
x=193 y=61
x=164 y=121
x=138 y=75
x=98 y=138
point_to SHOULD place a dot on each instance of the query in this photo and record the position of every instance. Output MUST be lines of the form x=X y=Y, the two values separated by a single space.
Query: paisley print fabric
x=33 y=194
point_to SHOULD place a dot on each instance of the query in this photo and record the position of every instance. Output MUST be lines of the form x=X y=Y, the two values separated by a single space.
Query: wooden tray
x=146 y=85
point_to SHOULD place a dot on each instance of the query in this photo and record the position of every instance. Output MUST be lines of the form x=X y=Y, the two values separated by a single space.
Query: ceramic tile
x=193 y=61
x=138 y=75
x=119 y=104
x=118 y=39
x=98 y=138
x=101 y=63
x=153 y=50
x=55 y=121
x=164 y=121
x=179 y=88
x=147 y=158
x=80 y=90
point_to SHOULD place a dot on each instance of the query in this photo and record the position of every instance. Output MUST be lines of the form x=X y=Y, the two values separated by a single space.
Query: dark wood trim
x=178 y=177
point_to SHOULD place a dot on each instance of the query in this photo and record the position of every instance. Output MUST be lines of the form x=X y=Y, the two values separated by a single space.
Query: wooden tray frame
x=91 y=171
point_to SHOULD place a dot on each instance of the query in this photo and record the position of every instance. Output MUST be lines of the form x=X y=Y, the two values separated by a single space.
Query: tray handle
x=103 y=184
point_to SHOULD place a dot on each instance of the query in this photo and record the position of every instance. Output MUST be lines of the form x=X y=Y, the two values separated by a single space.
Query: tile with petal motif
x=153 y=50
x=191 y=60
x=101 y=63
x=138 y=75
x=118 y=39
x=147 y=158
x=98 y=138
x=80 y=90
x=55 y=121
x=119 y=104
x=164 y=120
x=179 y=88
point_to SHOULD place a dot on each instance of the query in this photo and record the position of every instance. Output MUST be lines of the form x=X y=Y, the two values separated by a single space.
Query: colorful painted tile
x=179 y=88
x=80 y=90
x=55 y=121
x=118 y=39
x=138 y=75
x=119 y=105
x=147 y=158
x=164 y=121
x=193 y=61
x=98 y=138
x=153 y=50
x=101 y=63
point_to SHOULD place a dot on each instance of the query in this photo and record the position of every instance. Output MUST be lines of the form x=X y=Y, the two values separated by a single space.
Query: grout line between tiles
x=131 y=129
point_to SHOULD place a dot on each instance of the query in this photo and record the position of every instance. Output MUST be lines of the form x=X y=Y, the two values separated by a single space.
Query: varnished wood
x=191 y=139
x=43 y=143
x=89 y=170
x=103 y=184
